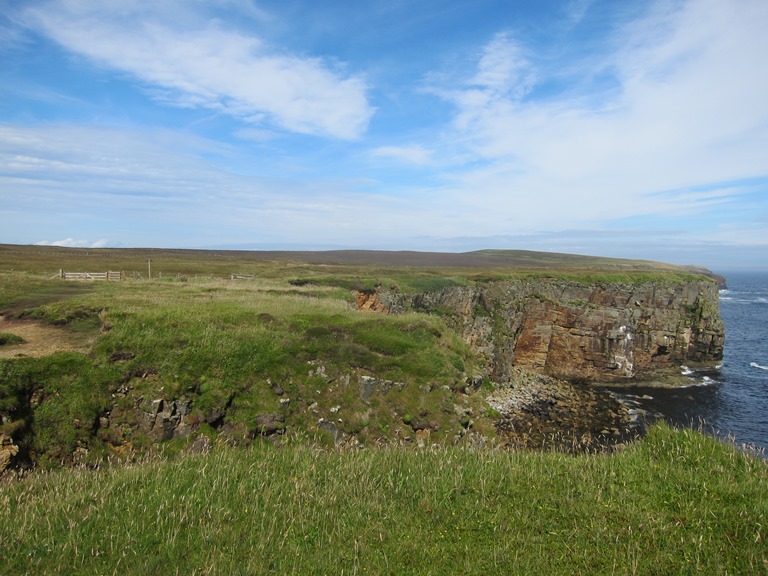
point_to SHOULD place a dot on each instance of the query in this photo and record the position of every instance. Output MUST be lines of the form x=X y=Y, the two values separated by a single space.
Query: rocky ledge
x=537 y=411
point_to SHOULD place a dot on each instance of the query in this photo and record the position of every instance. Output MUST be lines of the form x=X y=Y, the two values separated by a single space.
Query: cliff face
x=600 y=332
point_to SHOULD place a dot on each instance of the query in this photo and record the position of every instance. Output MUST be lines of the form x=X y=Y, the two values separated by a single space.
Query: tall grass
x=675 y=503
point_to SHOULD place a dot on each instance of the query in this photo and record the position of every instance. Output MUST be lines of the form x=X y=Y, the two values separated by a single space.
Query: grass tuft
x=7 y=339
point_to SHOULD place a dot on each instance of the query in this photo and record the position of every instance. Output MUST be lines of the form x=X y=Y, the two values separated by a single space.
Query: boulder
x=267 y=424
x=7 y=451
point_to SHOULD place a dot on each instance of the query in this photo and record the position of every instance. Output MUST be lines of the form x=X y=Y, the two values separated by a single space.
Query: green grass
x=191 y=335
x=52 y=404
x=220 y=346
x=676 y=503
x=7 y=339
x=342 y=271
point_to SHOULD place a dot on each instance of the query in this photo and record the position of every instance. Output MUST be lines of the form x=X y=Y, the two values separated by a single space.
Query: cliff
x=599 y=332
x=499 y=356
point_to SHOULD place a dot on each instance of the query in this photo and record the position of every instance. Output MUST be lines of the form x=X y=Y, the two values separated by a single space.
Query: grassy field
x=409 y=271
x=223 y=345
x=676 y=503
x=269 y=373
x=285 y=346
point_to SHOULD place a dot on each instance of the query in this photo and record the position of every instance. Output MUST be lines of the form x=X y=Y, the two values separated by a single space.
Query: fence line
x=110 y=276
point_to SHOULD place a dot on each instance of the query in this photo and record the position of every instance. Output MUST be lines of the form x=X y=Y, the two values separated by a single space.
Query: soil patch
x=39 y=339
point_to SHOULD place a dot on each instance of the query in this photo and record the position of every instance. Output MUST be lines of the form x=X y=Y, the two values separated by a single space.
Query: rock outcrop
x=7 y=451
x=601 y=332
x=165 y=419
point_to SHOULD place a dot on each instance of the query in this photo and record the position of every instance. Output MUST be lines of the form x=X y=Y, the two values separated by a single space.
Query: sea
x=730 y=402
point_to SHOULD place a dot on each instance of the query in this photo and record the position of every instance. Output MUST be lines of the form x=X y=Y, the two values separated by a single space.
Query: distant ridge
x=517 y=259
x=475 y=259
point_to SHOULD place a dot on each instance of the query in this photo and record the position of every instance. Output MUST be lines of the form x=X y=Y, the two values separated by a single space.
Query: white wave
x=705 y=381
x=686 y=371
x=756 y=365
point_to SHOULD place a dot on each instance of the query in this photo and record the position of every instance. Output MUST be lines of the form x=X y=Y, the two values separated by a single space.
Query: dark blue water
x=732 y=401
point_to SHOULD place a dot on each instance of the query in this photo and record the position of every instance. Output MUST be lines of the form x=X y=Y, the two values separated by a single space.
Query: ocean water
x=732 y=401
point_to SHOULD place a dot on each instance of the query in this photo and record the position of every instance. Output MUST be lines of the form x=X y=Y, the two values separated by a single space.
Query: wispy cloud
x=502 y=74
x=198 y=62
x=687 y=107
x=156 y=186
x=414 y=154
x=575 y=10
x=72 y=243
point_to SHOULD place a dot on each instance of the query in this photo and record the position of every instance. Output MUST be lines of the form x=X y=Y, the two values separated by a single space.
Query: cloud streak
x=686 y=108
x=202 y=64
x=414 y=154
x=72 y=243
x=156 y=186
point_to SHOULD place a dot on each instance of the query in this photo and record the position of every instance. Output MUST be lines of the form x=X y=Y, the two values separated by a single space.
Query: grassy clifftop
x=675 y=503
x=113 y=368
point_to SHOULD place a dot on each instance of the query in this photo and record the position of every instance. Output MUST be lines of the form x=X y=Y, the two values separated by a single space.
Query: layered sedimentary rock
x=594 y=332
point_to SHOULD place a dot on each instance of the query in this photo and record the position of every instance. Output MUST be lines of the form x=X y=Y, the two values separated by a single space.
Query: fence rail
x=110 y=276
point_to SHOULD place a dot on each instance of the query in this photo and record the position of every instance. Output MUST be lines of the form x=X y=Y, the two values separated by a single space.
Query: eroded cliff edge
x=596 y=332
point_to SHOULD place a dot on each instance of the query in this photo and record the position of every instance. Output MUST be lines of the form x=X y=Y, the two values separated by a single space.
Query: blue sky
x=628 y=129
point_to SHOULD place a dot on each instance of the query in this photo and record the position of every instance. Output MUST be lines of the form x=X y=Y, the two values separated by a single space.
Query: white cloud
x=575 y=10
x=196 y=62
x=687 y=110
x=503 y=74
x=503 y=69
x=159 y=188
x=415 y=154
x=72 y=243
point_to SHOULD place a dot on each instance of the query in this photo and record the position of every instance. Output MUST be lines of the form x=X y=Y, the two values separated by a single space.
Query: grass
x=7 y=339
x=222 y=347
x=676 y=503
x=288 y=350
x=345 y=269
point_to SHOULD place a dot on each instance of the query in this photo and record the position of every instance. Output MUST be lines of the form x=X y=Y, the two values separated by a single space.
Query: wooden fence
x=111 y=276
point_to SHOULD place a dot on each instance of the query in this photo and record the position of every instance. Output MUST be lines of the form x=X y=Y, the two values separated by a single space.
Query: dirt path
x=39 y=339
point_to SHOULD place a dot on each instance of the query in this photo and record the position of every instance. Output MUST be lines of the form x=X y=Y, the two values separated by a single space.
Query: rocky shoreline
x=540 y=412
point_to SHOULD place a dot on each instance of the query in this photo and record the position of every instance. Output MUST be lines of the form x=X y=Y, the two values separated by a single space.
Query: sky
x=601 y=127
